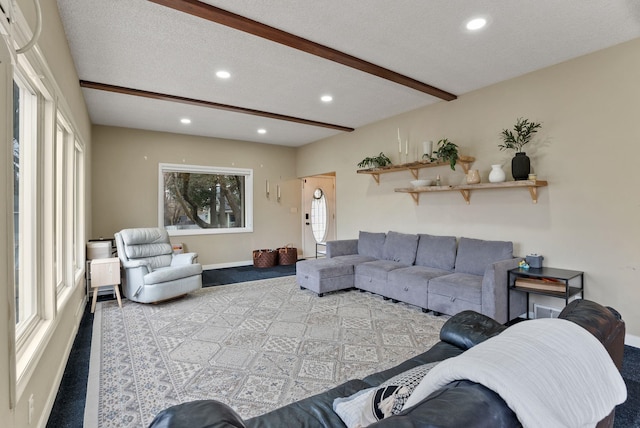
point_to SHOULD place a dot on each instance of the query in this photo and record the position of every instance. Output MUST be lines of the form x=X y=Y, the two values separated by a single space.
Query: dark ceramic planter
x=520 y=166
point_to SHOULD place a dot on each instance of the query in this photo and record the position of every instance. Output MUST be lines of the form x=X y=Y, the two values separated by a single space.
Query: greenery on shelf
x=375 y=162
x=521 y=135
x=446 y=152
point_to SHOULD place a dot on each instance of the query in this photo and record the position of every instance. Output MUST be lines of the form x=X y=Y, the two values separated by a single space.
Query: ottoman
x=324 y=275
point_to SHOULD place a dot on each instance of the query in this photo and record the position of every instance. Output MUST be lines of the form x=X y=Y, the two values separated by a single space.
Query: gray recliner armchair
x=152 y=272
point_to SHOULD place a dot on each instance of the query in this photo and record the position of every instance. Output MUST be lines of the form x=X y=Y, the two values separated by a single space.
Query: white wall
x=586 y=219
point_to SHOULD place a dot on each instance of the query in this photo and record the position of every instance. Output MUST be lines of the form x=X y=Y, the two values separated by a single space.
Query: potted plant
x=446 y=152
x=375 y=161
x=516 y=139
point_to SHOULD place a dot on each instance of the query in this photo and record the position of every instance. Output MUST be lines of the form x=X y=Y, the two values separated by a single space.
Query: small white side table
x=105 y=272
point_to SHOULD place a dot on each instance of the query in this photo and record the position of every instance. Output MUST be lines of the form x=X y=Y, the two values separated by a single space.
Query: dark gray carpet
x=244 y=273
x=628 y=413
x=68 y=408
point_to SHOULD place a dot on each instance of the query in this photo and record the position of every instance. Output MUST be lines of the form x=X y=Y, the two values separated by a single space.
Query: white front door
x=318 y=213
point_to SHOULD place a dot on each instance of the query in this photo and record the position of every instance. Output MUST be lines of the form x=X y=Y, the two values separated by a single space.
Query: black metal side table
x=546 y=281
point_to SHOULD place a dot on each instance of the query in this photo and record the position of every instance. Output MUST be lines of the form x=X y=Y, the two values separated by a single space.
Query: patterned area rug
x=255 y=346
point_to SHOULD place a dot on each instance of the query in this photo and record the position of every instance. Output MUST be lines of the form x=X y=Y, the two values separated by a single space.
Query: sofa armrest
x=342 y=247
x=132 y=264
x=172 y=273
x=495 y=291
x=603 y=322
x=468 y=328
x=198 y=414
x=184 y=259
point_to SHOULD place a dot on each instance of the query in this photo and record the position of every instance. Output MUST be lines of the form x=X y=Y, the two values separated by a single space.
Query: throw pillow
x=373 y=404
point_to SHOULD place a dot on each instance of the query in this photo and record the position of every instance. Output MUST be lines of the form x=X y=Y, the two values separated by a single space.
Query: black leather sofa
x=459 y=404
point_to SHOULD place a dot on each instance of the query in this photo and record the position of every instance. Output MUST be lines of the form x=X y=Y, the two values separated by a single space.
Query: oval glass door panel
x=319 y=215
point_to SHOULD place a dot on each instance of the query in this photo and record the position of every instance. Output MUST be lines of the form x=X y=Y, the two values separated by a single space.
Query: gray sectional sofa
x=438 y=273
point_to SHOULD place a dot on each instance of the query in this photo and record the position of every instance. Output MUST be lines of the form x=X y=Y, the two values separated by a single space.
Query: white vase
x=497 y=175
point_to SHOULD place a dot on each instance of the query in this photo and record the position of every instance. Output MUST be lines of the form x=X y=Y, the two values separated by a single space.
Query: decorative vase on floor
x=473 y=176
x=497 y=174
x=520 y=166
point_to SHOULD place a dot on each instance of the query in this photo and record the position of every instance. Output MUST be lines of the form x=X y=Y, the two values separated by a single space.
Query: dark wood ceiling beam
x=238 y=22
x=208 y=104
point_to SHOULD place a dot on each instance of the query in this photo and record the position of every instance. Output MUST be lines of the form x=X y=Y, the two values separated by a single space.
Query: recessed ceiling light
x=262 y=131
x=223 y=74
x=476 y=24
x=326 y=98
x=185 y=121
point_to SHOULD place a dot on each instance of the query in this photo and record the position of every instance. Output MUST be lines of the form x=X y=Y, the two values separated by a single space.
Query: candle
x=427 y=147
x=406 y=147
x=278 y=191
x=399 y=142
x=267 y=188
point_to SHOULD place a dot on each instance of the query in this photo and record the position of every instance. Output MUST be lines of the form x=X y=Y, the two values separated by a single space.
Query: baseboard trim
x=631 y=340
x=228 y=265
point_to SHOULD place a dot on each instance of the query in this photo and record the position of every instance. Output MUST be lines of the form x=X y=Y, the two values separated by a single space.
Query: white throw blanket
x=550 y=372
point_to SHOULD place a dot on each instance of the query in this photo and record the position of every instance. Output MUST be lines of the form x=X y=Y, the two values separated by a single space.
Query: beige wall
x=44 y=380
x=588 y=217
x=125 y=188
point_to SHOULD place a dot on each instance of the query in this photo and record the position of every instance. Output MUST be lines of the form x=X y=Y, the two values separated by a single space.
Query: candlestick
x=427 y=148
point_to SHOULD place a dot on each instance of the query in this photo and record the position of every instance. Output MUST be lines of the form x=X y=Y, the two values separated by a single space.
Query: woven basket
x=265 y=258
x=287 y=255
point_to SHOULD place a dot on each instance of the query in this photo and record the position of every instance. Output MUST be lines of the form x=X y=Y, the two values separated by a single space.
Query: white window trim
x=25 y=352
x=198 y=169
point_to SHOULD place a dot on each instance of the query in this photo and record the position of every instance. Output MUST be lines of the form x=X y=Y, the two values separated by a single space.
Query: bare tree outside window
x=199 y=199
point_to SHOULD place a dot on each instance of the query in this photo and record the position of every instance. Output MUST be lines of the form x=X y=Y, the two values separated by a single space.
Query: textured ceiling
x=142 y=45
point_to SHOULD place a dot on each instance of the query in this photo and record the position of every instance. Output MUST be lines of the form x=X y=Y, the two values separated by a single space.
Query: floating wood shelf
x=465 y=189
x=414 y=167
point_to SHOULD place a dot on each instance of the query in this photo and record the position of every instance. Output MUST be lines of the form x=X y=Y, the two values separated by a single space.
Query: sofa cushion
x=323 y=268
x=458 y=286
x=436 y=251
x=400 y=247
x=353 y=259
x=370 y=244
x=378 y=269
x=416 y=274
x=474 y=255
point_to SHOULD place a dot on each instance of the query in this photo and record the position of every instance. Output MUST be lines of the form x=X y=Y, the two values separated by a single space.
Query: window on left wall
x=24 y=202
x=48 y=210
